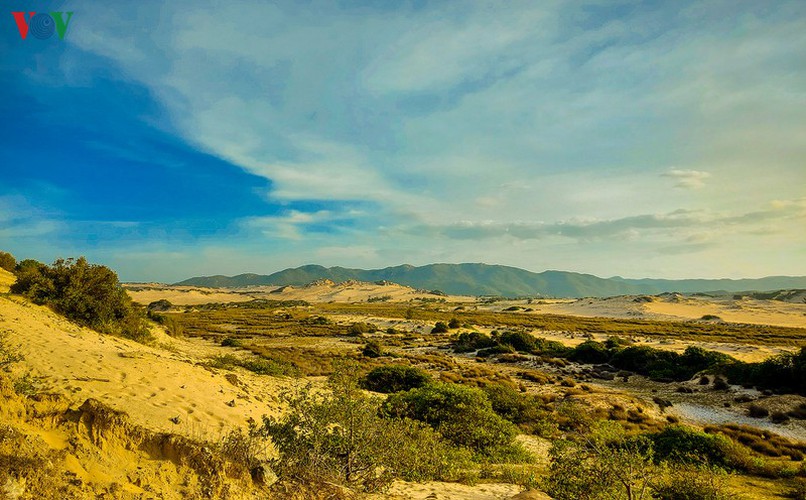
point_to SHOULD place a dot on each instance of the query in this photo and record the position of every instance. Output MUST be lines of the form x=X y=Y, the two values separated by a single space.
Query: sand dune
x=317 y=292
x=152 y=384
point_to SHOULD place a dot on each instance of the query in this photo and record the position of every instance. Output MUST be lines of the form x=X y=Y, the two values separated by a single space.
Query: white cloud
x=511 y=115
x=688 y=179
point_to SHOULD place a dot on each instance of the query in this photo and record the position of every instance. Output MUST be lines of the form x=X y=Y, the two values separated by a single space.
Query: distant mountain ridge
x=485 y=279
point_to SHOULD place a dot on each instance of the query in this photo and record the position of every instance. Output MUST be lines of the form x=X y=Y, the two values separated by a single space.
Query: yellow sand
x=152 y=384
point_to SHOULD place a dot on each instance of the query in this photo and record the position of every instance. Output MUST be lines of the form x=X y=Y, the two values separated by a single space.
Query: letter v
x=61 y=24
x=22 y=25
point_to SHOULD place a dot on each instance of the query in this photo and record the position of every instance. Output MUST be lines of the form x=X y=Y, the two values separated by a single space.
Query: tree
x=7 y=261
x=603 y=465
x=338 y=436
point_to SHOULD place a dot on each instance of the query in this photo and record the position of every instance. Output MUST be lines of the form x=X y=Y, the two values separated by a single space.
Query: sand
x=152 y=384
x=316 y=292
x=674 y=307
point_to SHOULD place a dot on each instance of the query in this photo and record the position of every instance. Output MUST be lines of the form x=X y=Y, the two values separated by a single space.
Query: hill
x=484 y=279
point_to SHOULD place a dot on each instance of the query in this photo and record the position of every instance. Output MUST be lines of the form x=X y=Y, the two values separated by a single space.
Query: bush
x=682 y=444
x=440 y=327
x=454 y=323
x=785 y=372
x=526 y=411
x=361 y=328
x=161 y=305
x=395 y=378
x=757 y=411
x=372 y=349
x=89 y=294
x=463 y=415
x=7 y=261
x=520 y=341
x=590 y=351
x=471 y=341
x=231 y=342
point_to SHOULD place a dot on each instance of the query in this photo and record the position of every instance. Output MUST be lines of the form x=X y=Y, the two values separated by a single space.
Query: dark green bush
x=682 y=444
x=784 y=373
x=395 y=378
x=89 y=294
x=454 y=323
x=471 y=341
x=231 y=342
x=520 y=341
x=440 y=327
x=590 y=351
x=463 y=415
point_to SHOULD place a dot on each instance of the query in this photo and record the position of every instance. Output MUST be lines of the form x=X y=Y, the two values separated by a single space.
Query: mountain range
x=485 y=279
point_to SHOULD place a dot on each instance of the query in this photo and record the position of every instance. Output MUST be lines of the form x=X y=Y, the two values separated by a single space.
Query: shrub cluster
x=657 y=364
x=395 y=378
x=784 y=373
x=89 y=294
x=463 y=415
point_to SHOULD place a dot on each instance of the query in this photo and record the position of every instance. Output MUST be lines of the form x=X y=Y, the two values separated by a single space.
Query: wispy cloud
x=440 y=123
x=688 y=179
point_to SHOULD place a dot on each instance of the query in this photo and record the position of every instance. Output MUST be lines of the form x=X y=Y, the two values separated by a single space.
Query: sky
x=631 y=138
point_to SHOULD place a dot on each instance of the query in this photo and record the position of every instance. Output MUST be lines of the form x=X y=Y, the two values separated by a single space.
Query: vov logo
x=42 y=25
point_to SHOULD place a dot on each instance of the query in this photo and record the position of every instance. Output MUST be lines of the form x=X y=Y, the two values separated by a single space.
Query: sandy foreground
x=152 y=384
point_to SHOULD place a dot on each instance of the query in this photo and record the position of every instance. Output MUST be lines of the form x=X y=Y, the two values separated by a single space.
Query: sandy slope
x=152 y=384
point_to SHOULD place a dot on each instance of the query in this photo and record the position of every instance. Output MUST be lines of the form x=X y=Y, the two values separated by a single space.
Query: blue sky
x=641 y=139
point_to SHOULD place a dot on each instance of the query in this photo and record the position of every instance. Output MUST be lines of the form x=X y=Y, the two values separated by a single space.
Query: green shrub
x=463 y=415
x=682 y=444
x=520 y=341
x=785 y=372
x=372 y=349
x=471 y=341
x=590 y=351
x=440 y=327
x=231 y=342
x=7 y=261
x=395 y=378
x=454 y=323
x=526 y=411
x=89 y=294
